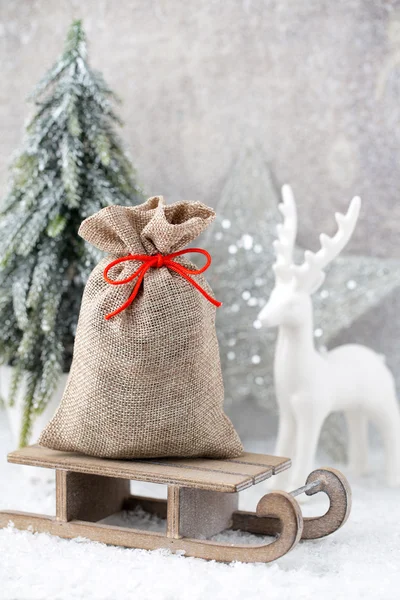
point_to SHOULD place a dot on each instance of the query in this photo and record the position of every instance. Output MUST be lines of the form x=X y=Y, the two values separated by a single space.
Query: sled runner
x=202 y=501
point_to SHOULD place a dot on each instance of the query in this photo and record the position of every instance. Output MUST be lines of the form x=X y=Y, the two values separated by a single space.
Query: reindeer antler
x=287 y=232
x=310 y=274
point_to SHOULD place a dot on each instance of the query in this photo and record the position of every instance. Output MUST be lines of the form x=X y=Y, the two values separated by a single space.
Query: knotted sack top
x=153 y=234
x=151 y=228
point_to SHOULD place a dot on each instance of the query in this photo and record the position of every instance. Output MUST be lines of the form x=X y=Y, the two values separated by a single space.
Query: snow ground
x=362 y=560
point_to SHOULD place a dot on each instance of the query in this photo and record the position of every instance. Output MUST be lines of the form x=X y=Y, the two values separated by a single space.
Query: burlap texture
x=147 y=383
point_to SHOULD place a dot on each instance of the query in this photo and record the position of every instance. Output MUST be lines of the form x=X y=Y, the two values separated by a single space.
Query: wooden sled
x=202 y=501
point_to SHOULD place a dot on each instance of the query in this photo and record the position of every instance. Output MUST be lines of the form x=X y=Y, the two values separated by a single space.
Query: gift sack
x=145 y=379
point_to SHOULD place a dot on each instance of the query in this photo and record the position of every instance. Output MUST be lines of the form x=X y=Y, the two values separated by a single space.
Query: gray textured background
x=313 y=83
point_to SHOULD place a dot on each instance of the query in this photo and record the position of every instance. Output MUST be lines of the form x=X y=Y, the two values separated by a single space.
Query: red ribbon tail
x=141 y=273
x=181 y=270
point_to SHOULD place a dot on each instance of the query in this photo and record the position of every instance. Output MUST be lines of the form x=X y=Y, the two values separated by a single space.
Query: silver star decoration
x=241 y=276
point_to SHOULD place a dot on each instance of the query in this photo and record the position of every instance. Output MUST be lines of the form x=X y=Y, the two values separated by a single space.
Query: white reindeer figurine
x=309 y=385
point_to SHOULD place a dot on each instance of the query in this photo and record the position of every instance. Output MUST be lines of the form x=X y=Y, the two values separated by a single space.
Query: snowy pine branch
x=71 y=165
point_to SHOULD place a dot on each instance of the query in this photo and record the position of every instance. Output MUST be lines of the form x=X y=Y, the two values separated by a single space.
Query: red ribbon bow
x=157 y=261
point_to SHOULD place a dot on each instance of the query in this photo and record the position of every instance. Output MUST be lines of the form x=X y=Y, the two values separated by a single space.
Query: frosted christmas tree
x=71 y=165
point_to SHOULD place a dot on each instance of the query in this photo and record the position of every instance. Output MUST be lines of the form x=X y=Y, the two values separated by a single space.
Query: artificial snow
x=362 y=560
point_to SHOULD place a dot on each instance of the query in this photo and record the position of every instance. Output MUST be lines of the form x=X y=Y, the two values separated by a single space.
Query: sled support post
x=86 y=497
x=173 y=511
x=200 y=514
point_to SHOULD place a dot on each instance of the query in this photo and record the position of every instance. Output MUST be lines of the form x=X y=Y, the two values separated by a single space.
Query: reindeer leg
x=357 y=427
x=285 y=446
x=286 y=434
x=308 y=429
x=388 y=424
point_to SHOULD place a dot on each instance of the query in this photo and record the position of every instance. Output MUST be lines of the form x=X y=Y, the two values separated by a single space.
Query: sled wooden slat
x=219 y=476
x=276 y=463
x=257 y=472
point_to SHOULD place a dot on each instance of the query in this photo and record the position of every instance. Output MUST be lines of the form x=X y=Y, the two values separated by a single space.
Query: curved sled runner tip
x=327 y=480
x=282 y=506
x=335 y=485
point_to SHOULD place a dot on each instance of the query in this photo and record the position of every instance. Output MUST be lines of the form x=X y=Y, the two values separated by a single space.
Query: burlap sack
x=147 y=382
